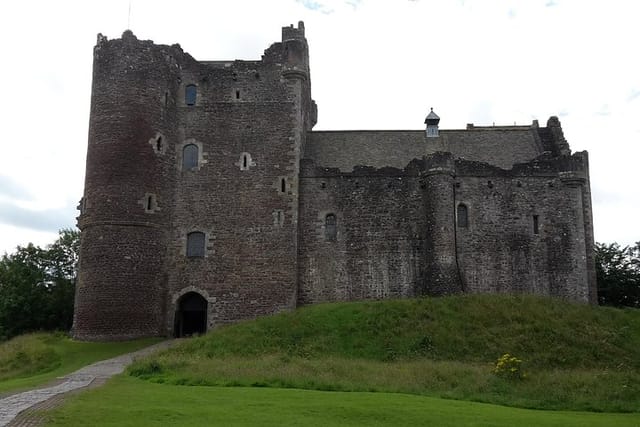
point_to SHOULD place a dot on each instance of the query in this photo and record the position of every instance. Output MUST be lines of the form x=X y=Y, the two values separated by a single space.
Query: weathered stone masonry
x=209 y=199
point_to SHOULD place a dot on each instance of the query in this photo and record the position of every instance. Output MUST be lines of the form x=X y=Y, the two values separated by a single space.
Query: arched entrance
x=191 y=315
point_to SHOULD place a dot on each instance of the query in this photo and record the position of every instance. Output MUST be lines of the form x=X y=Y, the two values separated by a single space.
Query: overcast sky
x=374 y=65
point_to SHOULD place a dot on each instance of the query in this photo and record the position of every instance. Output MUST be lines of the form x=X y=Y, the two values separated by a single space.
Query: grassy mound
x=33 y=359
x=27 y=355
x=575 y=356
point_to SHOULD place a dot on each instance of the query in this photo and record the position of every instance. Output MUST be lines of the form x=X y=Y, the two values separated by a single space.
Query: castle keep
x=210 y=199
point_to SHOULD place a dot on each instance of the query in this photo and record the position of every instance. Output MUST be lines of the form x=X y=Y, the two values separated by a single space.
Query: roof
x=498 y=146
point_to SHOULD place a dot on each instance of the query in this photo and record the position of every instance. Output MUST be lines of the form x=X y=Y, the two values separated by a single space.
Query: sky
x=374 y=65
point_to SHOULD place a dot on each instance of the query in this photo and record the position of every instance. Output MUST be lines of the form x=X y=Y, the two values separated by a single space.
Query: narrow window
x=283 y=185
x=463 y=216
x=536 y=225
x=166 y=98
x=190 y=94
x=330 y=227
x=190 y=157
x=278 y=217
x=150 y=203
x=244 y=161
x=195 y=244
x=237 y=94
x=159 y=143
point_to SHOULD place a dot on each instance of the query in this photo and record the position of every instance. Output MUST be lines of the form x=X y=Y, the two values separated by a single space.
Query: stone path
x=95 y=374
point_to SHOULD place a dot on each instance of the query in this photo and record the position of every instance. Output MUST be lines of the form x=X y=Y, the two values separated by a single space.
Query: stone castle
x=210 y=199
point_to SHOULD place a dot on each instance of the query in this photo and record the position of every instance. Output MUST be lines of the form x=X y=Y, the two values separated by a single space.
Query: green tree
x=37 y=286
x=618 y=274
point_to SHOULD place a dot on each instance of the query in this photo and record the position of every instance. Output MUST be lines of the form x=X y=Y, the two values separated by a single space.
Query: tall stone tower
x=189 y=215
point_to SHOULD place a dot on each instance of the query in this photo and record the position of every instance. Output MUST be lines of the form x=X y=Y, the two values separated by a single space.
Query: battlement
x=292 y=33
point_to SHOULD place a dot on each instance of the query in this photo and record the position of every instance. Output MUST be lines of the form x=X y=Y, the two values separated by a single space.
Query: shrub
x=510 y=367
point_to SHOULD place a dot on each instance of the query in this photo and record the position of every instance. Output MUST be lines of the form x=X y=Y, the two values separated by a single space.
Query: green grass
x=576 y=357
x=34 y=359
x=126 y=401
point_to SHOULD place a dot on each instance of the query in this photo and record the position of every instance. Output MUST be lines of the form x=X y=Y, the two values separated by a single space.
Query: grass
x=576 y=357
x=34 y=359
x=126 y=401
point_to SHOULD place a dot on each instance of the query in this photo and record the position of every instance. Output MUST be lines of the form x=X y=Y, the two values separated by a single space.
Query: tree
x=618 y=274
x=37 y=286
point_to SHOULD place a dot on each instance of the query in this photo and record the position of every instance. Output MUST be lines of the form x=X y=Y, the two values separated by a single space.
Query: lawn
x=127 y=401
x=35 y=359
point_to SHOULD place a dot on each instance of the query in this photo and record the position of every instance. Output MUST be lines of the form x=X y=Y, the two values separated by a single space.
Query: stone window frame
x=245 y=162
x=187 y=98
x=150 y=203
x=204 y=244
x=279 y=217
x=324 y=234
x=159 y=143
x=201 y=154
x=282 y=181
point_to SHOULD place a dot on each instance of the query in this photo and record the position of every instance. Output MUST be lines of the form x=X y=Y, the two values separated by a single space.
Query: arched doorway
x=191 y=315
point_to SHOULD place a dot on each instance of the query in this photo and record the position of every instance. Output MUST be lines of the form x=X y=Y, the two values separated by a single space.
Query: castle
x=209 y=199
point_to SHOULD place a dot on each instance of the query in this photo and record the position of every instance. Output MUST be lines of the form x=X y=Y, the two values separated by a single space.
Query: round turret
x=120 y=289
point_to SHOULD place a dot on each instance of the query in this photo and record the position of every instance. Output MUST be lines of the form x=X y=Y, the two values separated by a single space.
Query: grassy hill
x=34 y=359
x=574 y=356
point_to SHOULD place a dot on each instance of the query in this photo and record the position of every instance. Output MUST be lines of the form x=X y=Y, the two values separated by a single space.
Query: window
x=159 y=143
x=245 y=162
x=278 y=217
x=536 y=225
x=195 y=244
x=330 y=227
x=283 y=185
x=462 y=216
x=237 y=94
x=190 y=156
x=190 y=93
x=150 y=203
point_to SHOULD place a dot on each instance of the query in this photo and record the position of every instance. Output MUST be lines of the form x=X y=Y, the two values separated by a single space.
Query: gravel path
x=96 y=373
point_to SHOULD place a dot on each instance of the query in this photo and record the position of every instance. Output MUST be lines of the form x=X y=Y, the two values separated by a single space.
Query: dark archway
x=191 y=315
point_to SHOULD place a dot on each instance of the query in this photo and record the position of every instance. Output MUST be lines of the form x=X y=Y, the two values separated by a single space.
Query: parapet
x=292 y=33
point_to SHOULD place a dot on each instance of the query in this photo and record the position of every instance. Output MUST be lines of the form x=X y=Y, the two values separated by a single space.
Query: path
x=96 y=373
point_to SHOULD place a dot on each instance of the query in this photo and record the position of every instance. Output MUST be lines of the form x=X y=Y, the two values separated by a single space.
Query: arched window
x=462 y=215
x=190 y=93
x=195 y=244
x=190 y=157
x=330 y=227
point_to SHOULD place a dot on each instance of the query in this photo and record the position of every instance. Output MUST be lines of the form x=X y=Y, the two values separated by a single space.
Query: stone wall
x=501 y=250
x=291 y=216
x=378 y=248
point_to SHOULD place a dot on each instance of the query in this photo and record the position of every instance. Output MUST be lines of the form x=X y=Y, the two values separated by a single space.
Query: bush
x=510 y=367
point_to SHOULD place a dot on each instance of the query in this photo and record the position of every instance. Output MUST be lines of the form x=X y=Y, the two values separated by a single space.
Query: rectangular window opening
x=536 y=225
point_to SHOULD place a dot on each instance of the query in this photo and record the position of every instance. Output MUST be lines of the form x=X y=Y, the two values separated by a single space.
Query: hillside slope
x=575 y=356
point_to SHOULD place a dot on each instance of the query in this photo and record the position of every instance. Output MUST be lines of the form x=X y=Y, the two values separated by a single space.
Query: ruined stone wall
x=501 y=250
x=378 y=248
